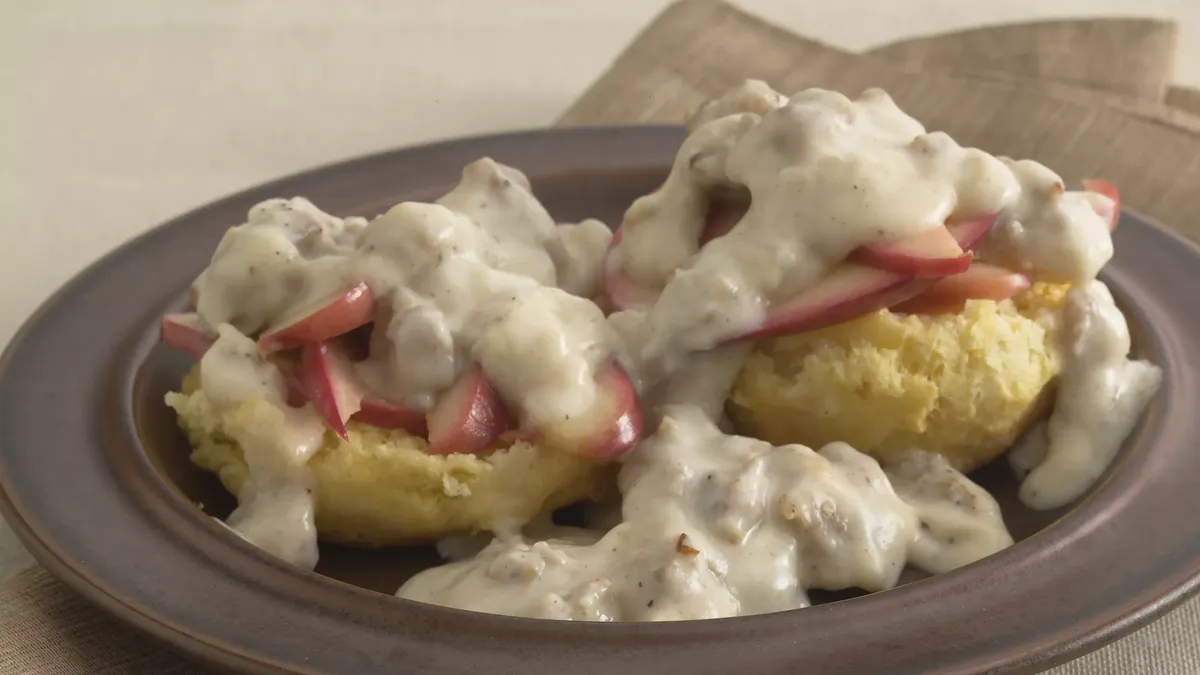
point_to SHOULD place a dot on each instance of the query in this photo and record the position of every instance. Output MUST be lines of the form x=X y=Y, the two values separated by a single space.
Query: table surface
x=120 y=114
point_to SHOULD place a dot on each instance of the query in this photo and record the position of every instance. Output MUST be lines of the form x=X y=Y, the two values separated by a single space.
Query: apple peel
x=1105 y=189
x=848 y=292
x=186 y=333
x=322 y=321
x=982 y=281
x=621 y=291
x=610 y=427
x=468 y=418
x=326 y=377
x=384 y=414
x=969 y=233
x=932 y=253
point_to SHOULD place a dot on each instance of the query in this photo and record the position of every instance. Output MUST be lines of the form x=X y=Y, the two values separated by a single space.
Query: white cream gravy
x=716 y=525
x=713 y=525
x=276 y=506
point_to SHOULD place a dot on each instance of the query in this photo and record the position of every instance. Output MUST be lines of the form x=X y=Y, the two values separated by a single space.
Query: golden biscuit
x=380 y=488
x=962 y=385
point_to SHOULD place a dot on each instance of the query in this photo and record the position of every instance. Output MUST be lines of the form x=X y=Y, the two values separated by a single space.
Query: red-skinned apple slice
x=981 y=281
x=608 y=429
x=320 y=321
x=621 y=291
x=387 y=415
x=288 y=365
x=848 y=292
x=326 y=377
x=932 y=253
x=1107 y=189
x=374 y=411
x=467 y=418
x=513 y=436
x=186 y=333
x=968 y=233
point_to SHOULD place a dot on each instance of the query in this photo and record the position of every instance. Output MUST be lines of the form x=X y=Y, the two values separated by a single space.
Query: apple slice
x=513 y=436
x=374 y=411
x=468 y=416
x=388 y=415
x=287 y=363
x=621 y=291
x=848 y=292
x=723 y=215
x=981 y=281
x=186 y=333
x=932 y=253
x=326 y=377
x=1106 y=189
x=968 y=233
x=608 y=429
x=322 y=320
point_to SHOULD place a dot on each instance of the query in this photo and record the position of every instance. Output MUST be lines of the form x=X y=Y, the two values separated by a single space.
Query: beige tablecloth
x=1089 y=98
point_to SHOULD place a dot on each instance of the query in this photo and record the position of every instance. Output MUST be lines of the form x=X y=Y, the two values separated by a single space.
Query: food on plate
x=717 y=525
x=407 y=378
x=382 y=487
x=902 y=291
x=817 y=326
x=964 y=385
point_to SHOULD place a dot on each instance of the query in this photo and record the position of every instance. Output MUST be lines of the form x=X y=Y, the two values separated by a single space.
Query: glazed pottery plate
x=96 y=480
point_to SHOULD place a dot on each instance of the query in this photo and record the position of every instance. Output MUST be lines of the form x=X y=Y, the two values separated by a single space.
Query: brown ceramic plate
x=96 y=482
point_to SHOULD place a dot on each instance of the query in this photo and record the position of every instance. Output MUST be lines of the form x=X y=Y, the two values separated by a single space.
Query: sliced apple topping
x=968 y=233
x=320 y=321
x=388 y=415
x=468 y=417
x=288 y=365
x=1105 y=189
x=621 y=291
x=513 y=436
x=326 y=377
x=609 y=428
x=932 y=253
x=186 y=333
x=981 y=281
x=331 y=362
x=849 y=291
